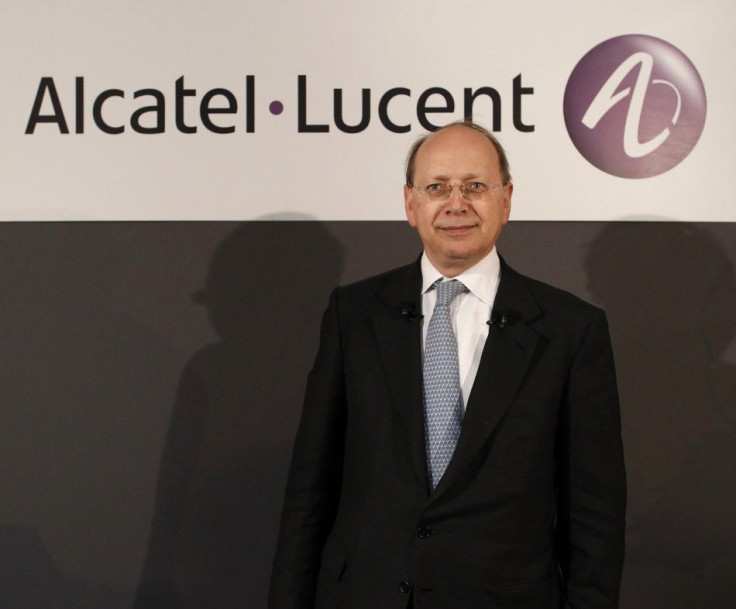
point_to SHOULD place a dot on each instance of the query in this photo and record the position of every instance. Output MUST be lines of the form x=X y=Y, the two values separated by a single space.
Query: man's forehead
x=457 y=149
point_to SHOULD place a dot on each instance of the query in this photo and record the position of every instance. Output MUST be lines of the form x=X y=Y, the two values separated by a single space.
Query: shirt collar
x=481 y=279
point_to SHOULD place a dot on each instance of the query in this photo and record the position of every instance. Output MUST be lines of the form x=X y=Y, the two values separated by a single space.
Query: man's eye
x=435 y=187
x=476 y=186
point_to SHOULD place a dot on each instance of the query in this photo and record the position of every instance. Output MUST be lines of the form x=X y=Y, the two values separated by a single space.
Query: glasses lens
x=476 y=190
x=437 y=191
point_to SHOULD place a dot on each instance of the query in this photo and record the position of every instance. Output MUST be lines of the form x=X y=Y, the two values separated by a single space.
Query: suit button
x=405 y=587
x=424 y=532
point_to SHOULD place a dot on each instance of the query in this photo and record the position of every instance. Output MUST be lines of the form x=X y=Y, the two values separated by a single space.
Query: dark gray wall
x=152 y=374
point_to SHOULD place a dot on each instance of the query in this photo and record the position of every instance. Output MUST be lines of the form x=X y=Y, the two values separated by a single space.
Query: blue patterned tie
x=443 y=403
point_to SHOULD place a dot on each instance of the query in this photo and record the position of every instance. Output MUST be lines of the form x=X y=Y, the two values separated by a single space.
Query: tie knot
x=447 y=291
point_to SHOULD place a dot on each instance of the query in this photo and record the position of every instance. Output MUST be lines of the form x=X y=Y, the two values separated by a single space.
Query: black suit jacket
x=530 y=512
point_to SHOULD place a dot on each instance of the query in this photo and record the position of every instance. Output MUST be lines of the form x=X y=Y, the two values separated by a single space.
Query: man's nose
x=456 y=201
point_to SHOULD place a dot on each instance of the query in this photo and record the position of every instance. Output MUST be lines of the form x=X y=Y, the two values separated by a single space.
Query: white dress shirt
x=470 y=312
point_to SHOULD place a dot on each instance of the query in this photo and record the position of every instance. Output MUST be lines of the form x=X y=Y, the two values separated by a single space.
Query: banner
x=185 y=110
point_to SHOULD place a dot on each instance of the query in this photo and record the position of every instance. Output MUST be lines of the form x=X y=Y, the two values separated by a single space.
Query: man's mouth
x=457 y=230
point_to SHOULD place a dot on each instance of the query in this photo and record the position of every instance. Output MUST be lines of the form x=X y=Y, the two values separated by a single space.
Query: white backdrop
x=275 y=170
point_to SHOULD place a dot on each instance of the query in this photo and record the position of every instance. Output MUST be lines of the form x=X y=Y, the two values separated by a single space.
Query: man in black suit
x=484 y=475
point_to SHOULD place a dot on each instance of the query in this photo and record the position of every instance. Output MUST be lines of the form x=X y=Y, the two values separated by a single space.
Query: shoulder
x=549 y=296
x=403 y=279
x=385 y=293
x=391 y=277
x=549 y=304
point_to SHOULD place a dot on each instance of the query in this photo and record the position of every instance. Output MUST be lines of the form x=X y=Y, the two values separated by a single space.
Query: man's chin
x=455 y=261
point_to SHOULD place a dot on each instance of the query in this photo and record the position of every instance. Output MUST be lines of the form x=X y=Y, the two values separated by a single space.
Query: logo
x=635 y=106
x=225 y=111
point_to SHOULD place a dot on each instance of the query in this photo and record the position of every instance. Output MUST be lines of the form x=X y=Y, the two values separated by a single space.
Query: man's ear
x=409 y=203
x=507 y=192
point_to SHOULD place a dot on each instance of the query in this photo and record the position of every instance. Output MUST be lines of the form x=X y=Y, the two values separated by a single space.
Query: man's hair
x=503 y=161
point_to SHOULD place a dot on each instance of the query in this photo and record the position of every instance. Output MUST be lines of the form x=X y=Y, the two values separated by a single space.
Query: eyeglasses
x=473 y=191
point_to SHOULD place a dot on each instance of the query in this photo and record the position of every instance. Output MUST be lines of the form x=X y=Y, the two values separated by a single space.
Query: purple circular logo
x=634 y=106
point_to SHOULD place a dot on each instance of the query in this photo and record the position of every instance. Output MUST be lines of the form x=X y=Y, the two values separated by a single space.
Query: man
x=460 y=442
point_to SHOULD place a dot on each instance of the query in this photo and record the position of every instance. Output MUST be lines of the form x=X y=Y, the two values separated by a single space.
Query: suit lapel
x=397 y=329
x=507 y=356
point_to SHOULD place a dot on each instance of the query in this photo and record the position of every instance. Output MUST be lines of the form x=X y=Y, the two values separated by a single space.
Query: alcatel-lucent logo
x=635 y=106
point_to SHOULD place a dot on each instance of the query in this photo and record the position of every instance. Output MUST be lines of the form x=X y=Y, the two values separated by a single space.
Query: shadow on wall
x=220 y=484
x=29 y=578
x=670 y=291
x=83 y=383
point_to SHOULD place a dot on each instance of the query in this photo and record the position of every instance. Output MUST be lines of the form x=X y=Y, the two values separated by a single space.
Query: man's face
x=457 y=232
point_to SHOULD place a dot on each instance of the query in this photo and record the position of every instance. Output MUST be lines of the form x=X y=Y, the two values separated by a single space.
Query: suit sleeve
x=313 y=487
x=591 y=476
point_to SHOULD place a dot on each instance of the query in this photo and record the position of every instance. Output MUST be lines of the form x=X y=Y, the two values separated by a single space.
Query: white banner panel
x=232 y=110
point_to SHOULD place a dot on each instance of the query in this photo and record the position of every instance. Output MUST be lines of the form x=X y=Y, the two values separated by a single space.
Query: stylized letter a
x=607 y=98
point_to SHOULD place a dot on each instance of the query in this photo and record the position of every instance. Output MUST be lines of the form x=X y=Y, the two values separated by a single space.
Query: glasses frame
x=462 y=187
